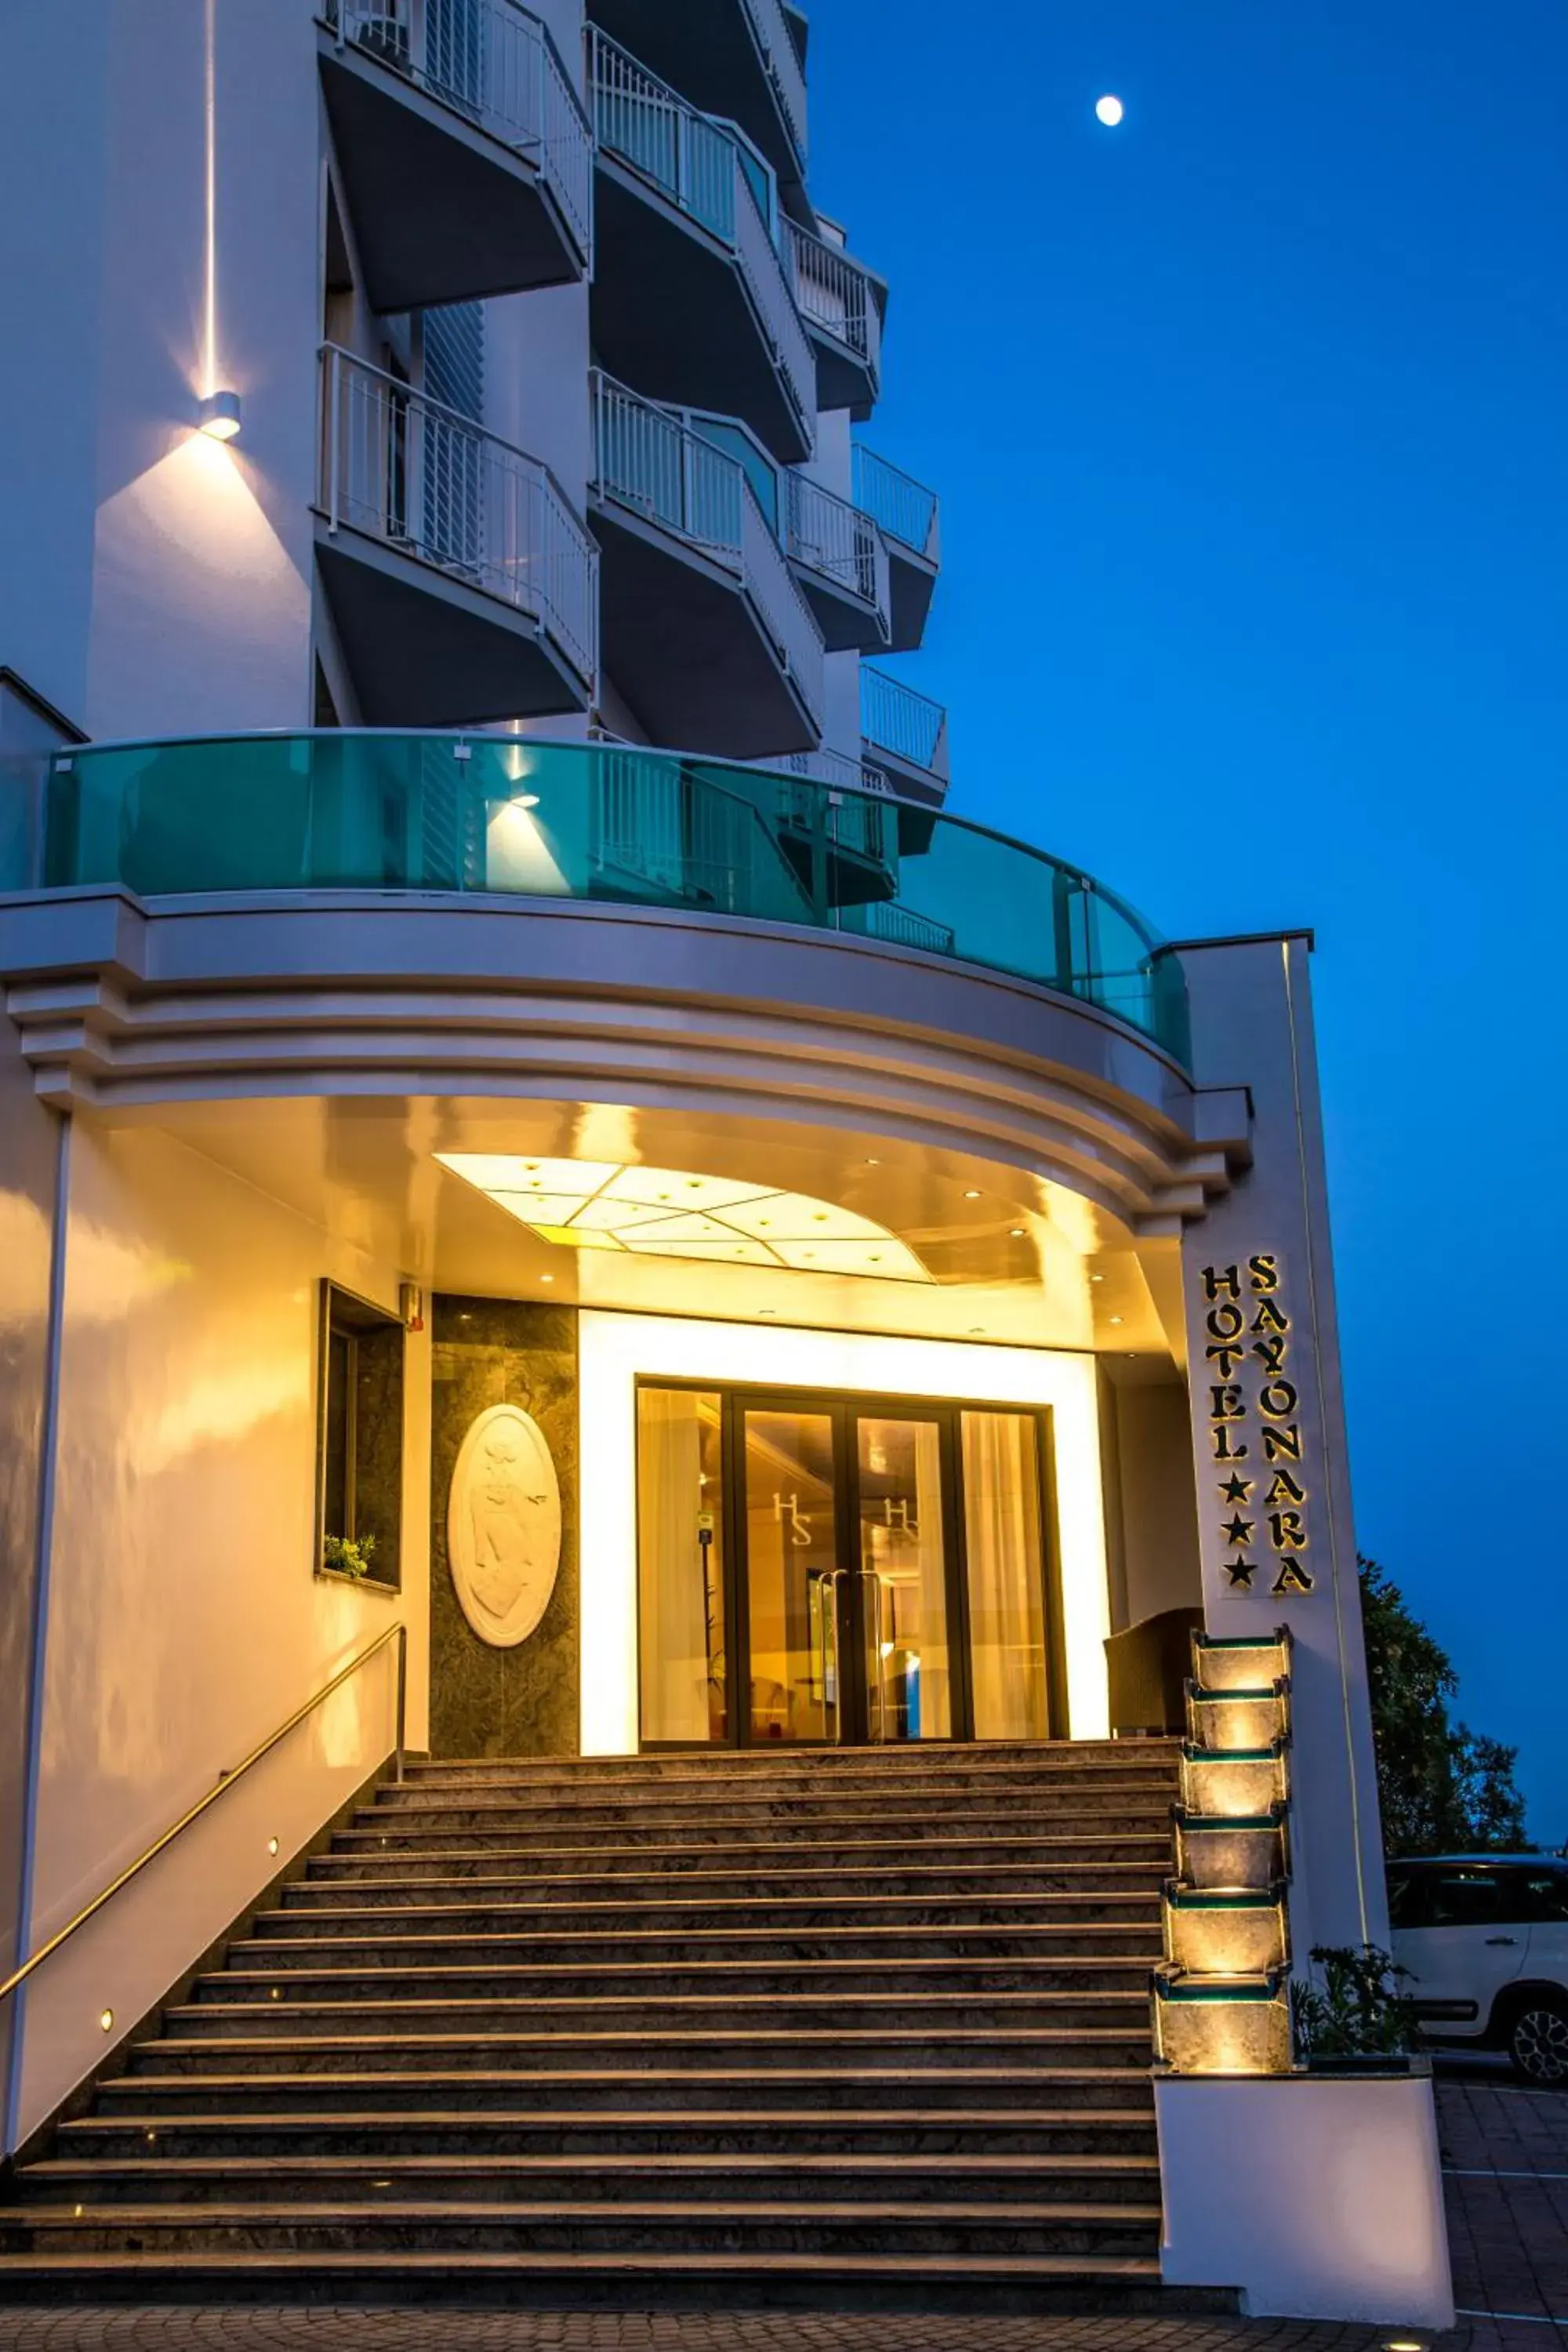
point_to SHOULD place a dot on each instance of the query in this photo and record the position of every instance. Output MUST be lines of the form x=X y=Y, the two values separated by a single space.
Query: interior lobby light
x=592 y=1204
x=220 y=415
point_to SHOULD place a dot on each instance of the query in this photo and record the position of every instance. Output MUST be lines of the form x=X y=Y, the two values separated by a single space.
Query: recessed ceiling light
x=1116 y=1318
x=1016 y=1233
x=977 y=1330
x=547 y=1278
x=1097 y=1277
x=972 y=1196
x=767 y=1310
x=591 y=1204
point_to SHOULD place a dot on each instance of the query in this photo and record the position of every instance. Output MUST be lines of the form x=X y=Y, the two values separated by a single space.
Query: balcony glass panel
x=343 y=810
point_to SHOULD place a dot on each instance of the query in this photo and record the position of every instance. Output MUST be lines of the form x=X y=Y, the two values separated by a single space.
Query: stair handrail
x=398 y=1634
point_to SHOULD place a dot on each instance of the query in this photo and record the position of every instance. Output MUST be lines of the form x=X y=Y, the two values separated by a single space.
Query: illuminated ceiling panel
x=665 y=1213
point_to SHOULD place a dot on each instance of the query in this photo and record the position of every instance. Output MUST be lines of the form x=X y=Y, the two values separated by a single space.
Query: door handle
x=1502 y=1939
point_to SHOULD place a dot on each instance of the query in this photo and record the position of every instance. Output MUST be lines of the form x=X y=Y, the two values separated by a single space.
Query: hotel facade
x=678 y=1610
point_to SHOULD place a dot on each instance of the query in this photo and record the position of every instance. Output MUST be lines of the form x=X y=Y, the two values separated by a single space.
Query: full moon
x=1110 y=111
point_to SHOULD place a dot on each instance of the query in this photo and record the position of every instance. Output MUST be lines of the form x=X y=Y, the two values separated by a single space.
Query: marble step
x=1133 y=1800
x=299 y=1969
x=1067 y=1770
x=419 y=2003
x=262 y=2040
x=328 y=1911
x=400 y=2226
x=416 y=1882
x=758 y=1846
x=345 y=2129
x=699 y=1901
x=363 y=1939
x=727 y=2177
x=1120 y=2285
x=319 y=2081
x=880 y=1763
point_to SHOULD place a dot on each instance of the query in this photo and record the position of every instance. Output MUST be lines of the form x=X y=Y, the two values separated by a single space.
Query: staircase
x=856 y=2029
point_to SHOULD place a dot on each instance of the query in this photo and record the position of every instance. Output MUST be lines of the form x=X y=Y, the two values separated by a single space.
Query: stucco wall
x=185 y=1622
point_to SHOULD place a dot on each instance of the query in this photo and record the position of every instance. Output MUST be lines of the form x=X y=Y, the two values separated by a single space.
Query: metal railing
x=648 y=459
x=494 y=62
x=696 y=163
x=398 y=1634
x=825 y=767
x=840 y=541
x=904 y=508
x=427 y=480
x=837 y=295
x=780 y=61
x=906 y=725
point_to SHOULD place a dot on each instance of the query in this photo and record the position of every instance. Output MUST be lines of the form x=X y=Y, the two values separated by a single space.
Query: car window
x=1545 y=1897
x=1462 y=1897
x=1407 y=1893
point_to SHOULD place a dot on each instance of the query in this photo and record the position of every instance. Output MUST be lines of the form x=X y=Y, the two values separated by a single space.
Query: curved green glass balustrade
x=391 y=812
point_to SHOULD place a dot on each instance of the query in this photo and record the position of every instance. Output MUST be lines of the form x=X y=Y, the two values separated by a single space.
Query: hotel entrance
x=841 y=1571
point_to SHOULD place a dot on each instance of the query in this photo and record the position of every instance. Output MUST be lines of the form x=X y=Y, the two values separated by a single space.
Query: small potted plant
x=348 y=1556
x=1356 y=2021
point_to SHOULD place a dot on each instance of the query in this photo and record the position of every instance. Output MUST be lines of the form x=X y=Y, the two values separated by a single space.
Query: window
x=360 y=1440
x=1468 y=1898
x=1407 y=1893
x=1545 y=1897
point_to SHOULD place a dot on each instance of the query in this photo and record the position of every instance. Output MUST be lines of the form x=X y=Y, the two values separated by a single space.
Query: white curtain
x=1007 y=1582
x=674 y=1602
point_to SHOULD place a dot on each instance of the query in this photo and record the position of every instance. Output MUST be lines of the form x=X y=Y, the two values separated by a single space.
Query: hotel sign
x=1258 y=1465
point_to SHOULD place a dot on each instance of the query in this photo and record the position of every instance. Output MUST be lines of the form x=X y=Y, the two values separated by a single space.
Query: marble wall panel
x=483 y=1701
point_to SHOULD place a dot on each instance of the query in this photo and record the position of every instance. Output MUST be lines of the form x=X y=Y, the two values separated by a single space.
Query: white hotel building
x=679 y=1598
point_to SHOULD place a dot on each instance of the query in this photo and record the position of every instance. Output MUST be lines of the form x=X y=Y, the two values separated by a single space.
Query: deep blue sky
x=1249 y=420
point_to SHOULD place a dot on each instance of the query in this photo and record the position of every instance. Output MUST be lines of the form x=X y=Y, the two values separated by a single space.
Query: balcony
x=462 y=586
x=422 y=812
x=690 y=299
x=907 y=514
x=840 y=560
x=467 y=159
x=844 y=307
x=706 y=634
x=736 y=59
x=904 y=735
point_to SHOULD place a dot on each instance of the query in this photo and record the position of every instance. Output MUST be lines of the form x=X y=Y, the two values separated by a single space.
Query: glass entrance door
x=795 y=1577
x=833 y=1571
x=848 y=1560
x=901 y=1573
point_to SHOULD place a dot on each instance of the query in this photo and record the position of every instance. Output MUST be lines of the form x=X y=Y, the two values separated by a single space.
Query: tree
x=1443 y=1788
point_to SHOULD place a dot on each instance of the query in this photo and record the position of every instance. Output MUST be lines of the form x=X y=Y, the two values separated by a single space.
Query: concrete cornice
x=122 y=1003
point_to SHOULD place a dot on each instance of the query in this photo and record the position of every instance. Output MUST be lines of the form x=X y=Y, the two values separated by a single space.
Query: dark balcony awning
x=684 y=645
x=426 y=649
x=711 y=52
x=442 y=211
x=672 y=314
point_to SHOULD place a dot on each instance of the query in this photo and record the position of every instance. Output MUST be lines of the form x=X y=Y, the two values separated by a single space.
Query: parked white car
x=1485 y=1939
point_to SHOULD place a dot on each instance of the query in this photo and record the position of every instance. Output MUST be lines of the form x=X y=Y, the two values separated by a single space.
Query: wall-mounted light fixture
x=220 y=415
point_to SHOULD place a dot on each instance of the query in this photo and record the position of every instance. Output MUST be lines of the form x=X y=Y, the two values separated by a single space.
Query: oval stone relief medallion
x=503 y=1526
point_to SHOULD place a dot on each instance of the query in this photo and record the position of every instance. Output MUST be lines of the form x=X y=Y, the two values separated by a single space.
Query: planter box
x=1245 y=1854
x=1222 y=1665
x=1224 y=1933
x=1221 y=2025
x=1236 y=1718
x=1250 y=1780
x=1317 y=2195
